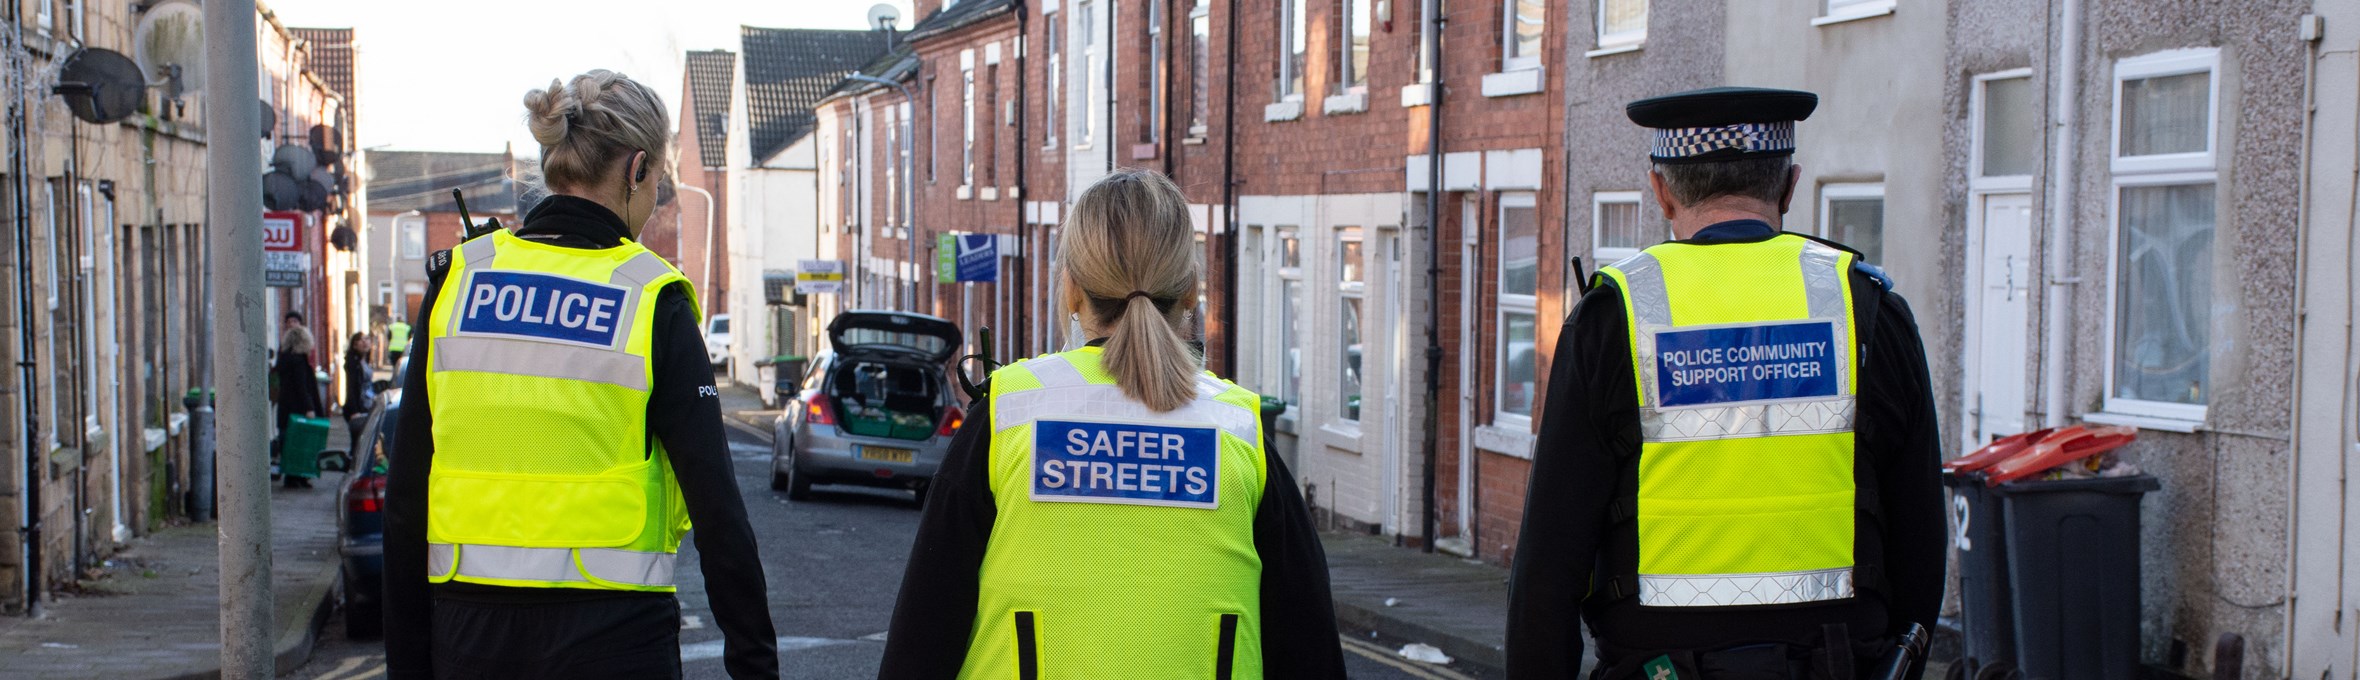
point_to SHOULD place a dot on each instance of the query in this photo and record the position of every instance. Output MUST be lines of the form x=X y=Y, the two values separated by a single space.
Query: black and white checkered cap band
x=1746 y=137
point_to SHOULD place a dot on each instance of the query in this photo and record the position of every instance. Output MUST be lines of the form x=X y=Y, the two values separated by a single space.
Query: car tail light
x=817 y=411
x=367 y=495
x=952 y=418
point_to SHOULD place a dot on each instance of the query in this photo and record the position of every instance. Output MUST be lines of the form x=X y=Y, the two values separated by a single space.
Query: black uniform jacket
x=683 y=412
x=1589 y=441
x=936 y=610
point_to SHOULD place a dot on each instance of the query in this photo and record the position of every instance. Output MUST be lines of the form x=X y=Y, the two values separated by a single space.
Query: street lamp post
x=909 y=231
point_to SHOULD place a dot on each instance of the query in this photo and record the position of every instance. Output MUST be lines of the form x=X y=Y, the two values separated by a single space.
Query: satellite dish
x=281 y=191
x=270 y=118
x=884 y=16
x=169 y=46
x=101 y=86
x=293 y=160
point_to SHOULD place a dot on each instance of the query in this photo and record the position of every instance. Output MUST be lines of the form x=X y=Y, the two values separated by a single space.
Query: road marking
x=748 y=429
x=711 y=649
x=1422 y=671
x=353 y=665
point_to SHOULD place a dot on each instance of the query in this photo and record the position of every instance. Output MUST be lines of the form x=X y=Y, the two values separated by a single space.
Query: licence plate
x=882 y=454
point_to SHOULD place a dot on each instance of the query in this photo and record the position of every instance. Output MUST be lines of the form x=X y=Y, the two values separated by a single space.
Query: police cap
x=1722 y=123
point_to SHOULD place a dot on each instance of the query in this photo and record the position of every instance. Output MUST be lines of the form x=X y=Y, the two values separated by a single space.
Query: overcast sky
x=450 y=75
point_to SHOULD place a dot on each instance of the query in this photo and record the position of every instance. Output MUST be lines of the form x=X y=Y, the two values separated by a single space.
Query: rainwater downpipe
x=1228 y=192
x=1431 y=12
x=28 y=372
x=2065 y=70
x=2302 y=313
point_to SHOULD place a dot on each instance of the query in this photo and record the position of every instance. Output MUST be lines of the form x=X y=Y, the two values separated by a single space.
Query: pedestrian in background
x=1735 y=473
x=299 y=384
x=560 y=429
x=360 y=393
x=1032 y=562
x=397 y=342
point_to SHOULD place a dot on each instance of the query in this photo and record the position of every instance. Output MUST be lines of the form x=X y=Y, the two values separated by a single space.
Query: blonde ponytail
x=1127 y=247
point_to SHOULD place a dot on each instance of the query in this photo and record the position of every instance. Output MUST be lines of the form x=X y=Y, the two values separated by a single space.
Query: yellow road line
x=1422 y=671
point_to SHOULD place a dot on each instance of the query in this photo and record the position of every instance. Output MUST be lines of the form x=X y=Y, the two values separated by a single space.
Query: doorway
x=2001 y=304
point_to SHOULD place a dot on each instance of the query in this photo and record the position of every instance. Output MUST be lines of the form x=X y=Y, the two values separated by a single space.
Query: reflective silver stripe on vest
x=1726 y=590
x=634 y=276
x=1761 y=419
x=628 y=567
x=540 y=360
x=1064 y=393
x=1651 y=308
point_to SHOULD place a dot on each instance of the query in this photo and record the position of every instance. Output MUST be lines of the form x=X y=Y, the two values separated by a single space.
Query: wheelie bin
x=2073 y=575
x=305 y=438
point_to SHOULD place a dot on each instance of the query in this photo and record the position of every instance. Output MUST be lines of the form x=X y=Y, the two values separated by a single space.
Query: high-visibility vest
x=544 y=473
x=1747 y=376
x=1124 y=541
x=397 y=337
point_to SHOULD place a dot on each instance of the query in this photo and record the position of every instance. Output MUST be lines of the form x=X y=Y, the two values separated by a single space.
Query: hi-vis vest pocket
x=1028 y=648
x=1225 y=646
x=537 y=511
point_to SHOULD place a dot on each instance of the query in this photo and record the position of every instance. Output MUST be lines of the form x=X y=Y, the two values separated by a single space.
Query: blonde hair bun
x=590 y=123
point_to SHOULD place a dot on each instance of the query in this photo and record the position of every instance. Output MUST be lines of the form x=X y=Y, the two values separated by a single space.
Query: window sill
x=1855 y=14
x=990 y=194
x=1608 y=51
x=1197 y=140
x=1282 y=111
x=2145 y=422
x=966 y=192
x=1350 y=102
x=1513 y=83
x=1503 y=441
x=1013 y=193
x=1417 y=94
x=1343 y=434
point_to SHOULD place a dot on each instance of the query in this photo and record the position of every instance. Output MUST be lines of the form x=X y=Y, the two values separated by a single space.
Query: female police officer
x=561 y=429
x=1111 y=511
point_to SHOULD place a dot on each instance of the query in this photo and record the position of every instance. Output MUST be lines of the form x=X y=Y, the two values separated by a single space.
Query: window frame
x=1511 y=303
x=1830 y=193
x=1350 y=291
x=967 y=127
x=1290 y=357
x=1085 y=134
x=1978 y=118
x=1158 y=71
x=1200 y=66
x=1510 y=59
x=1292 y=17
x=1599 y=251
x=2174 y=169
x=1347 y=12
x=407 y=225
x=1834 y=11
x=1053 y=28
x=1628 y=39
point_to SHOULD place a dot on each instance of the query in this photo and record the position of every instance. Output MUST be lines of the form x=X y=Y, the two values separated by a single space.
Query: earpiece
x=642 y=175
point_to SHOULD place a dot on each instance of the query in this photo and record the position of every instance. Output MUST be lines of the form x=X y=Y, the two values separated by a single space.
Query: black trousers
x=621 y=637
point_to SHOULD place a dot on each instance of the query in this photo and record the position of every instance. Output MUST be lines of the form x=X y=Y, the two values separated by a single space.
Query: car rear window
x=861 y=337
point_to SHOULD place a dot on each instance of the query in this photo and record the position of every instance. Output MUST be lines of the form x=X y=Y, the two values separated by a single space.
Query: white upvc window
x=967 y=127
x=1618 y=230
x=1289 y=318
x=1253 y=311
x=1520 y=34
x=893 y=134
x=2006 y=149
x=413 y=230
x=2164 y=211
x=1094 y=75
x=1516 y=361
x=1352 y=52
x=1053 y=32
x=1835 y=11
x=1156 y=74
x=1854 y=215
x=1294 y=36
x=1621 y=23
x=1200 y=69
x=1352 y=292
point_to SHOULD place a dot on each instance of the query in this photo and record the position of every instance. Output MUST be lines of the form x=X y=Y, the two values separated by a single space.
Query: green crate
x=305 y=438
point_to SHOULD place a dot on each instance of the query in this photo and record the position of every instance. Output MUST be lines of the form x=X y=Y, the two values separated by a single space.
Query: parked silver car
x=877 y=411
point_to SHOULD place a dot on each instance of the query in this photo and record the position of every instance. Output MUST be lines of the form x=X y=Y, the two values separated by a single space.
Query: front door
x=2002 y=308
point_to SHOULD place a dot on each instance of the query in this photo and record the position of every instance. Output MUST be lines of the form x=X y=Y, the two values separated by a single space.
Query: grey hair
x=1758 y=178
x=594 y=122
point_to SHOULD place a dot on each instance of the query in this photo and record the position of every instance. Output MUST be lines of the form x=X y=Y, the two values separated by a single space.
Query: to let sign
x=284 y=259
x=819 y=277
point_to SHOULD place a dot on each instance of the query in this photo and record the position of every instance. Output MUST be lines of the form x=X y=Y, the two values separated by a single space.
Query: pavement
x=152 y=611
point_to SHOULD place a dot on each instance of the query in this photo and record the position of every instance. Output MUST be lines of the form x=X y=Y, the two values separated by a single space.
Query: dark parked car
x=360 y=524
x=877 y=411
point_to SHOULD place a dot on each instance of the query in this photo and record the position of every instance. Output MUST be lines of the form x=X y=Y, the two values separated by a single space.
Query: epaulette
x=438 y=264
x=1874 y=272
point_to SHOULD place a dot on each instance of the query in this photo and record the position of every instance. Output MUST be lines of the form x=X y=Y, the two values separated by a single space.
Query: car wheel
x=798 y=484
x=919 y=492
x=363 y=622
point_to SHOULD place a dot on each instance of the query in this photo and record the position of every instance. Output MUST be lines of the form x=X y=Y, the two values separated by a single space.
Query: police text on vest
x=542 y=306
x=1746 y=363
x=1126 y=463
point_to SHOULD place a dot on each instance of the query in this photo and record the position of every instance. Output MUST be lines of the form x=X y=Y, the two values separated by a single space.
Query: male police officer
x=1734 y=478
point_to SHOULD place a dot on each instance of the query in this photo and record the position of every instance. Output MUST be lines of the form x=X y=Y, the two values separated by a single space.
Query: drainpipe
x=706 y=280
x=2065 y=70
x=29 y=501
x=1432 y=9
x=1023 y=125
x=2302 y=315
x=1164 y=136
x=1228 y=190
